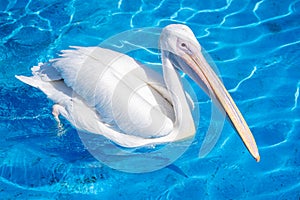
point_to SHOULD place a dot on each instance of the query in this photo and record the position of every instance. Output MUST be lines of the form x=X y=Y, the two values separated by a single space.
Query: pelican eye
x=185 y=48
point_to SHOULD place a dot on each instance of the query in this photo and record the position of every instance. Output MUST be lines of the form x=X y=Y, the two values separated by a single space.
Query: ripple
x=183 y=14
x=278 y=9
x=236 y=35
x=127 y=6
x=230 y=188
x=198 y=186
x=248 y=77
x=278 y=182
x=268 y=135
x=207 y=18
x=234 y=19
x=296 y=7
x=206 y=5
x=296 y=97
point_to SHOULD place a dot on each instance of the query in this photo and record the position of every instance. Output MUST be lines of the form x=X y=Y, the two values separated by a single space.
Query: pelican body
x=109 y=93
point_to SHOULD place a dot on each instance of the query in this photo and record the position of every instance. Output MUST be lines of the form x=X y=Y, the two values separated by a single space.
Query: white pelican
x=91 y=87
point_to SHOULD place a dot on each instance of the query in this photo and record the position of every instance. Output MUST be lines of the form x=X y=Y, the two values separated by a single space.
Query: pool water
x=256 y=46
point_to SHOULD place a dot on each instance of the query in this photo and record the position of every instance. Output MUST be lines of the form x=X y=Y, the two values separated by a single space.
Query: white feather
x=130 y=98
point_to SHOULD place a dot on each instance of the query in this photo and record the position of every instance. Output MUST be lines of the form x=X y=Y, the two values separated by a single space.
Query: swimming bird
x=105 y=92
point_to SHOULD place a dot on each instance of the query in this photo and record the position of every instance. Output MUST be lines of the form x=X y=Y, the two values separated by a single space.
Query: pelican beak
x=217 y=90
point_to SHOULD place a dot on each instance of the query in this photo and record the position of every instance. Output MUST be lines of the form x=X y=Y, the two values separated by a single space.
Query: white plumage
x=91 y=90
x=109 y=93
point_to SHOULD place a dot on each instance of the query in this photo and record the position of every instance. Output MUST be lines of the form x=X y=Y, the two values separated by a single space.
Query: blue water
x=256 y=46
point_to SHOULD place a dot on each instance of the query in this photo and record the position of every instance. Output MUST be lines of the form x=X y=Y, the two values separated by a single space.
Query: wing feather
x=124 y=93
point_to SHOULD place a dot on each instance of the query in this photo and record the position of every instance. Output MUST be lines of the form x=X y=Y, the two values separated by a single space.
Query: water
x=256 y=46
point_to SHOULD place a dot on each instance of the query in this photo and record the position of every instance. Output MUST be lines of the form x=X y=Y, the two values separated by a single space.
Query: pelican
x=109 y=93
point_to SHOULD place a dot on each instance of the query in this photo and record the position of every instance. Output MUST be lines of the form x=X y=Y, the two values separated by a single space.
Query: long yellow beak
x=217 y=90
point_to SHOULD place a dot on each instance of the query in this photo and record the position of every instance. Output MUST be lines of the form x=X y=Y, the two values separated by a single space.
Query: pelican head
x=179 y=44
x=179 y=39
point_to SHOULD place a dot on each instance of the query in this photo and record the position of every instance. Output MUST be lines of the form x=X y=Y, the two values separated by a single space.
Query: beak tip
x=257 y=158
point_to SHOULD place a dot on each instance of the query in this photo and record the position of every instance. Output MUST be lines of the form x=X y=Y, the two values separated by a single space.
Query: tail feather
x=57 y=91
x=33 y=80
